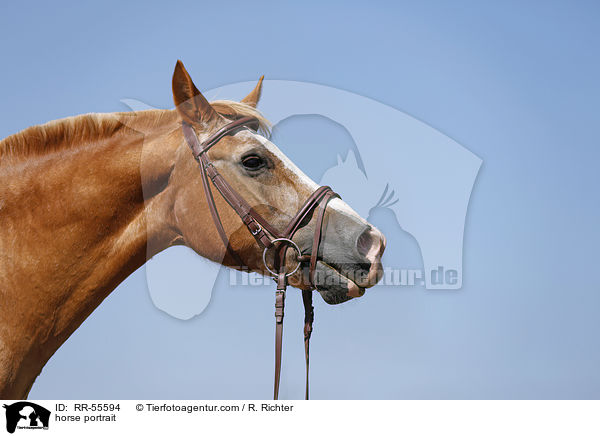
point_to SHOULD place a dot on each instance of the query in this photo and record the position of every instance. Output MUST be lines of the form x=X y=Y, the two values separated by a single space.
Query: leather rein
x=266 y=235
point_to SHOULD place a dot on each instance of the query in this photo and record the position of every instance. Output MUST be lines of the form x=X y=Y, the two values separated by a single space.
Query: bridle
x=266 y=235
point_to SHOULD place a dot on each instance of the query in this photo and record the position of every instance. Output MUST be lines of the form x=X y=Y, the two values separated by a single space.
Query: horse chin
x=334 y=297
x=334 y=287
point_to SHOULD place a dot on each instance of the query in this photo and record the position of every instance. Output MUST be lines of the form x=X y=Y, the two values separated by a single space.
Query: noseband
x=265 y=234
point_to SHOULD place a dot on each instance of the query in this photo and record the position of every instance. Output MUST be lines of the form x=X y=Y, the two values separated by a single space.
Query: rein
x=266 y=235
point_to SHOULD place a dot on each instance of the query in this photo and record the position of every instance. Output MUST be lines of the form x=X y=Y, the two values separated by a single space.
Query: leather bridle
x=266 y=235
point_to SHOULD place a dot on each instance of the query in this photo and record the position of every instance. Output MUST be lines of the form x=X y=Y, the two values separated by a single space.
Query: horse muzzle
x=350 y=264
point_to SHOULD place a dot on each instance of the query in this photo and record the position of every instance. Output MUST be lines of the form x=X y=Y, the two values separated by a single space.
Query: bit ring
x=290 y=243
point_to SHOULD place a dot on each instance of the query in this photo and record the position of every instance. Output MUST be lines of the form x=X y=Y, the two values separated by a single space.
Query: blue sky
x=516 y=83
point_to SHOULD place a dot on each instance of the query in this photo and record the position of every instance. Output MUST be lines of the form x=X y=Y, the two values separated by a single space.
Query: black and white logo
x=26 y=415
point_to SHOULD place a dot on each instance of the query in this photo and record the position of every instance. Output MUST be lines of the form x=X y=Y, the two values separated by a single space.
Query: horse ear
x=190 y=103
x=252 y=98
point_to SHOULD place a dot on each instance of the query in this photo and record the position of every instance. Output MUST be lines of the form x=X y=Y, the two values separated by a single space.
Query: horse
x=86 y=200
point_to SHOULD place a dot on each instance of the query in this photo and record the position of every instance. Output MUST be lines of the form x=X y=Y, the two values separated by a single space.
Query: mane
x=70 y=132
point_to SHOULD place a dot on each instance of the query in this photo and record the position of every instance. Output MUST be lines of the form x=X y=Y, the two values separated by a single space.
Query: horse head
x=350 y=249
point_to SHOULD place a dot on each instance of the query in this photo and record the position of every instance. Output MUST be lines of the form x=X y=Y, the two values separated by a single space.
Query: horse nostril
x=369 y=245
x=365 y=241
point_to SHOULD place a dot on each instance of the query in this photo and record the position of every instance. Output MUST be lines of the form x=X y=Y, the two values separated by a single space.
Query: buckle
x=258 y=229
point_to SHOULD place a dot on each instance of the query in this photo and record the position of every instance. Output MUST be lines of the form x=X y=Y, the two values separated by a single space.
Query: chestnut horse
x=86 y=200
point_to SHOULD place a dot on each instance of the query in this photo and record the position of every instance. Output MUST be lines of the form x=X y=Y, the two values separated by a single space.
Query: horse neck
x=75 y=224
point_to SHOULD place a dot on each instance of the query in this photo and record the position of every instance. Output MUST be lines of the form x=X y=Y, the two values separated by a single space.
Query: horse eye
x=253 y=162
